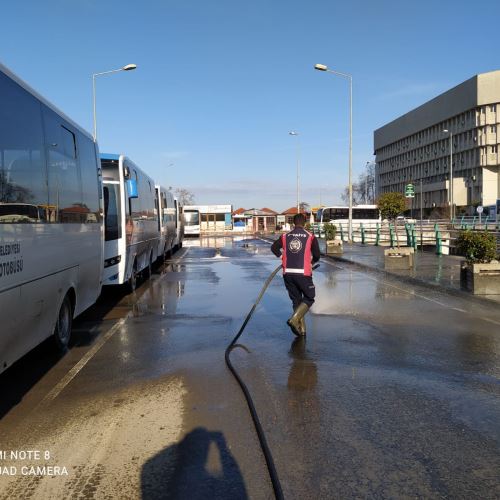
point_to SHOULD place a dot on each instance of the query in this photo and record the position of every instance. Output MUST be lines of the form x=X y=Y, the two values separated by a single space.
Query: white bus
x=167 y=221
x=191 y=221
x=51 y=230
x=131 y=222
x=361 y=214
x=179 y=225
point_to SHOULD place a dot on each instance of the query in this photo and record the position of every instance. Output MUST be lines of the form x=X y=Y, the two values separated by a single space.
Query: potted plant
x=480 y=273
x=391 y=205
x=333 y=246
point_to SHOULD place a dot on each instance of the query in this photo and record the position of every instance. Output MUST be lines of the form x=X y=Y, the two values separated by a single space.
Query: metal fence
x=439 y=235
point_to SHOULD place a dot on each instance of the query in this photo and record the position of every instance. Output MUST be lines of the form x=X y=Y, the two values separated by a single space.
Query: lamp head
x=321 y=67
x=445 y=130
x=129 y=67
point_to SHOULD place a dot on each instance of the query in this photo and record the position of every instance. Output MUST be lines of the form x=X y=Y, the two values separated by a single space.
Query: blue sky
x=220 y=83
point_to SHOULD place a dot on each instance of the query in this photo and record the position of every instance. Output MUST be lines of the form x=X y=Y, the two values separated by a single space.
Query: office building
x=415 y=148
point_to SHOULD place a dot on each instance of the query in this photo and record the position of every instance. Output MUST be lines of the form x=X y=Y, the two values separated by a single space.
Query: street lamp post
x=128 y=67
x=366 y=183
x=450 y=191
x=322 y=67
x=296 y=134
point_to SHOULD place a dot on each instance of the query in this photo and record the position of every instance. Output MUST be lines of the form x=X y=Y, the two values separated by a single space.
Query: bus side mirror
x=132 y=188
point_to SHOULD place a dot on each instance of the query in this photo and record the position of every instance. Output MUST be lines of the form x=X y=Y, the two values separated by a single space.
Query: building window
x=493 y=128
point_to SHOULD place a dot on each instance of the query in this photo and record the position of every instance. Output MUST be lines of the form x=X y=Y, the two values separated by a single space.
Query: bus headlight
x=113 y=261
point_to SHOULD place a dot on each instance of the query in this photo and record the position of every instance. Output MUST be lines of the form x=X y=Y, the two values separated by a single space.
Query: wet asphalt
x=394 y=393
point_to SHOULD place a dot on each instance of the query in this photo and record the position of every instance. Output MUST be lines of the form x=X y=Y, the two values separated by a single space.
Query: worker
x=298 y=250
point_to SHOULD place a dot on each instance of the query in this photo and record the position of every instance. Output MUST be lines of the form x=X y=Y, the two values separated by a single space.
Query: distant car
x=401 y=219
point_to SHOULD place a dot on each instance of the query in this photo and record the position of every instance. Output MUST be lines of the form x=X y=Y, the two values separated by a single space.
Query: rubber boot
x=297 y=316
x=302 y=325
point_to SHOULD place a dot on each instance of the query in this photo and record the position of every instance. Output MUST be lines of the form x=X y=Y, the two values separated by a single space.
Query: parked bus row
x=70 y=221
x=142 y=222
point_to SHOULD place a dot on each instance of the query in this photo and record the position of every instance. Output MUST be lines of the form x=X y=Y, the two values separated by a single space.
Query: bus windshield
x=191 y=217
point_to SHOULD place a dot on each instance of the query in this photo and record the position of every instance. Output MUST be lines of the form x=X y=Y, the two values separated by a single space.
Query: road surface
x=395 y=392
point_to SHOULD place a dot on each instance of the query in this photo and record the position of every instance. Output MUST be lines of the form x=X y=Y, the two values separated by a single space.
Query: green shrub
x=330 y=231
x=477 y=246
x=391 y=205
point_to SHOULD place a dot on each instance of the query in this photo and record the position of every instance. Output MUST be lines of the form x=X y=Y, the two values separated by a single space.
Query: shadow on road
x=16 y=381
x=198 y=467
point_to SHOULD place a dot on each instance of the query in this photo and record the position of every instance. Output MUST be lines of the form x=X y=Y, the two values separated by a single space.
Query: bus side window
x=65 y=190
x=135 y=203
x=23 y=181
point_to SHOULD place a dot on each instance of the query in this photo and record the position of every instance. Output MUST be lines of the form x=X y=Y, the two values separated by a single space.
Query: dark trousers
x=300 y=289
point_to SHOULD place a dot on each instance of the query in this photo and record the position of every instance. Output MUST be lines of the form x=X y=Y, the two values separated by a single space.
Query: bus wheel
x=62 y=330
x=132 y=281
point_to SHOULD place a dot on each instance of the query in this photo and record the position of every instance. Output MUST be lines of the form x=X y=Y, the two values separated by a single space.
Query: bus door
x=211 y=222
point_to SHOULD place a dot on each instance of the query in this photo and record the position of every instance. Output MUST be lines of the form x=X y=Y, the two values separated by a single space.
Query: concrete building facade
x=415 y=148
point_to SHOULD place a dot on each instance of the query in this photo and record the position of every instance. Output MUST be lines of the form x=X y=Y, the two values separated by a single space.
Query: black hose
x=278 y=492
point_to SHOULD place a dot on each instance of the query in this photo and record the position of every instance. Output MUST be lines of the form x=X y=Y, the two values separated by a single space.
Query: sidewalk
x=437 y=271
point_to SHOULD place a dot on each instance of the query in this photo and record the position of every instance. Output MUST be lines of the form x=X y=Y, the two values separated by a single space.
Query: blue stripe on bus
x=109 y=156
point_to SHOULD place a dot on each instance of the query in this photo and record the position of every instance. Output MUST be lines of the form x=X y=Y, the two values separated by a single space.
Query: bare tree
x=184 y=196
x=363 y=191
x=357 y=197
x=369 y=182
x=304 y=207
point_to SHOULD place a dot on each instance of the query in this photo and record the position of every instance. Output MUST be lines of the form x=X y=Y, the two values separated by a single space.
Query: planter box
x=398 y=258
x=481 y=279
x=334 y=247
